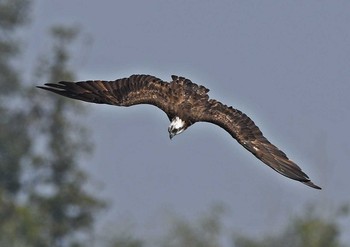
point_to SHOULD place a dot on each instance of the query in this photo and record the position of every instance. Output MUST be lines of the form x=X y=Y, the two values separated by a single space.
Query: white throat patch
x=177 y=123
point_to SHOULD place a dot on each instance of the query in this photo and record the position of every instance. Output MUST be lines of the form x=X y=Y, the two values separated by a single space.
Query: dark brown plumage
x=185 y=103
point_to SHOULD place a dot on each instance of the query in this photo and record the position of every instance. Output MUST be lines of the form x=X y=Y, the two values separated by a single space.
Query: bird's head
x=177 y=126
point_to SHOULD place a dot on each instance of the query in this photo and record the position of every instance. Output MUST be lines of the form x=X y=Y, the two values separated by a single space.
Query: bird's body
x=185 y=103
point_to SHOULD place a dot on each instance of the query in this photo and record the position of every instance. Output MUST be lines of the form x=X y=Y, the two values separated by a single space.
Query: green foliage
x=42 y=197
x=309 y=230
x=14 y=147
x=14 y=140
x=13 y=13
x=66 y=208
x=205 y=233
x=20 y=226
x=125 y=241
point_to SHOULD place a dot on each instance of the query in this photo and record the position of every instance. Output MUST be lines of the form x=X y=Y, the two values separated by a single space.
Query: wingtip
x=45 y=86
x=312 y=185
x=54 y=87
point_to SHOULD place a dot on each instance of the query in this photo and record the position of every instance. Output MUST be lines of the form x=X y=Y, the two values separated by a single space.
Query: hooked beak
x=171 y=135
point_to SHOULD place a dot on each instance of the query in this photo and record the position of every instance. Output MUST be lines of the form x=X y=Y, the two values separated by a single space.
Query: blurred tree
x=308 y=230
x=58 y=193
x=205 y=233
x=18 y=226
x=125 y=241
x=42 y=197
x=13 y=138
x=121 y=234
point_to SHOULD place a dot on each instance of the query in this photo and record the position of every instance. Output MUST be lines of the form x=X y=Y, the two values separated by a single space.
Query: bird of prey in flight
x=185 y=103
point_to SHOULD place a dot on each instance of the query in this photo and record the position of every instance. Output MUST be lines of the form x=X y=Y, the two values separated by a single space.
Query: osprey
x=185 y=103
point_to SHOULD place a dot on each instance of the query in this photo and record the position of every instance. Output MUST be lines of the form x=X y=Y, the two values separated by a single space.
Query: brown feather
x=191 y=103
x=244 y=130
x=136 y=89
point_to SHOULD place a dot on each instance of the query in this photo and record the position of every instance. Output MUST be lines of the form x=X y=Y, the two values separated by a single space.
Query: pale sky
x=284 y=63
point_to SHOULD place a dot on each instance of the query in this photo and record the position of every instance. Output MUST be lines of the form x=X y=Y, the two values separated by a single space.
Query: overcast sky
x=286 y=64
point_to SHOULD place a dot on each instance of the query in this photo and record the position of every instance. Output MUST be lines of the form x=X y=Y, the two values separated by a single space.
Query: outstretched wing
x=244 y=130
x=136 y=89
